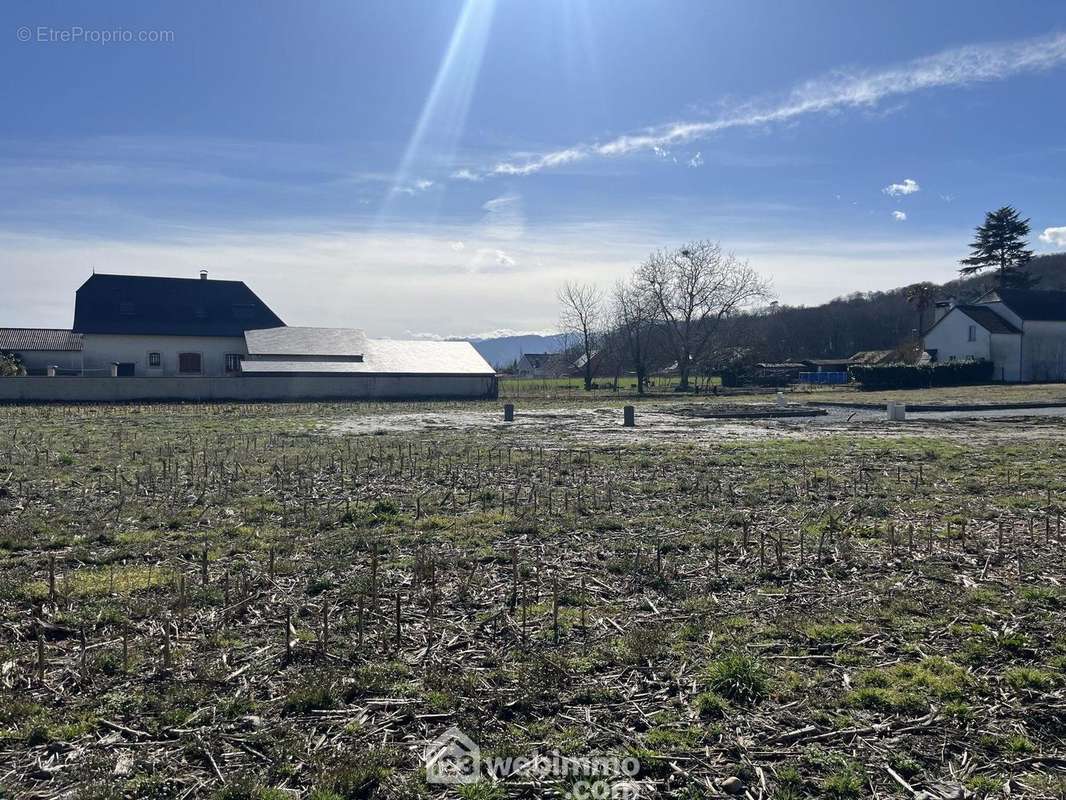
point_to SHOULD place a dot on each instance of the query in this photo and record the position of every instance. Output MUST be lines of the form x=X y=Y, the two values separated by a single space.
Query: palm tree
x=921 y=296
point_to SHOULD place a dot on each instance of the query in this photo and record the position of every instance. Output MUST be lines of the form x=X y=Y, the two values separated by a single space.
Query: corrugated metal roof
x=386 y=357
x=296 y=341
x=136 y=304
x=19 y=339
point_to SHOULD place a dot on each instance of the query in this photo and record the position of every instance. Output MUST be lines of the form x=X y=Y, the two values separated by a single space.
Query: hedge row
x=921 y=376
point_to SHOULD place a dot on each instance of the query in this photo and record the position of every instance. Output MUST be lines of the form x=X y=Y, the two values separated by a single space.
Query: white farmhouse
x=1021 y=331
x=138 y=338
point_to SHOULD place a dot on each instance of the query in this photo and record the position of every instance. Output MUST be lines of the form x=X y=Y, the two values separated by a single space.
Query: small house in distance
x=536 y=365
x=1021 y=331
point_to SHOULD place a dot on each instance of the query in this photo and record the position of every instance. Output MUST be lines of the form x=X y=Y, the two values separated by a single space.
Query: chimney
x=203 y=274
x=942 y=307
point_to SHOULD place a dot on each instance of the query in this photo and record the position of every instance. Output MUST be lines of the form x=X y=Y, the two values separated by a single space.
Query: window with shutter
x=190 y=363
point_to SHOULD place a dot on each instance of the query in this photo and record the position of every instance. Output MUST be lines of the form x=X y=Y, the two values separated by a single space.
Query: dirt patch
x=668 y=422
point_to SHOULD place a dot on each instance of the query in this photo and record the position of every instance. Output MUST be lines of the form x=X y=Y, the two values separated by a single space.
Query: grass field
x=280 y=601
x=511 y=388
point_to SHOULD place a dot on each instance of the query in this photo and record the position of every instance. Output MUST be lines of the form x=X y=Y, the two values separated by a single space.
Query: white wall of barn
x=1044 y=351
x=951 y=339
x=102 y=350
x=1006 y=353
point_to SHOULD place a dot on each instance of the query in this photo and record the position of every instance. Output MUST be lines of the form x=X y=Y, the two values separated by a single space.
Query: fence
x=32 y=389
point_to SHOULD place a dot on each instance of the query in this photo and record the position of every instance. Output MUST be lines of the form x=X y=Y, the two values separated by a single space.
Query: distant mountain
x=502 y=351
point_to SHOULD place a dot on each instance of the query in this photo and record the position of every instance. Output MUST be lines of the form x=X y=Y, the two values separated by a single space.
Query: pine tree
x=1000 y=244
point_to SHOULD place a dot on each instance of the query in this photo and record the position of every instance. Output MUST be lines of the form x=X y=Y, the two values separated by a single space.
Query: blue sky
x=439 y=168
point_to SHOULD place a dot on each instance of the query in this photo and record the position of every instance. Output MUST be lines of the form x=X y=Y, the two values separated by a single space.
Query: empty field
x=271 y=601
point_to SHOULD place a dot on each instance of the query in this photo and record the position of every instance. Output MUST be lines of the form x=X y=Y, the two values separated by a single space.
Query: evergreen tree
x=1000 y=244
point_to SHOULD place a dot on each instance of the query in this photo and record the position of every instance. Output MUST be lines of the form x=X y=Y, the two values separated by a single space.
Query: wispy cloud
x=696 y=160
x=498 y=333
x=899 y=216
x=504 y=218
x=839 y=90
x=909 y=186
x=465 y=175
x=1055 y=236
x=415 y=187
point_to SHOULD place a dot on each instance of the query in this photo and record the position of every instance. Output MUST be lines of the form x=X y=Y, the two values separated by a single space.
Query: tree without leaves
x=1000 y=244
x=694 y=288
x=580 y=318
x=634 y=317
x=921 y=296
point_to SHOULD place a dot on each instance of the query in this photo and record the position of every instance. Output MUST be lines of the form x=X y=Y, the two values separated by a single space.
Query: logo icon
x=452 y=758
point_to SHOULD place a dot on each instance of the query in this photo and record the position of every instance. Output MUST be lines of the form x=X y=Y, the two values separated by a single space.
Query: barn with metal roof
x=177 y=338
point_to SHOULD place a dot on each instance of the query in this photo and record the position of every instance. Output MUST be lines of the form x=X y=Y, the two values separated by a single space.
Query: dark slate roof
x=1032 y=304
x=538 y=359
x=988 y=319
x=19 y=339
x=296 y=341
x=132 y=304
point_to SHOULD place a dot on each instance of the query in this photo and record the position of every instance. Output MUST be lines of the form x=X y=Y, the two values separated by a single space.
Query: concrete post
x=781 y=402
x=508 y=412
x=629 y=416
x=901 y=412
x=114 y=369
x=51 y=372
x=890 y=410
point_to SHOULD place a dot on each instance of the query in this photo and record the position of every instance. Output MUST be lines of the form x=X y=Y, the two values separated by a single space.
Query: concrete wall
x=244 y=388
x=37 y=362
x=1044 y=351
x=950 y=339
x=101 y=350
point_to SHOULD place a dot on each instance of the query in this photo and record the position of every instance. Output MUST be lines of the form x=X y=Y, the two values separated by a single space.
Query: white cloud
x=504 y=260
x=1055 y=236
x=420 y=185
x=839 y=90
x=498 y=333
x=504 y=218
x=696 y=160
x=400 y=278
x=465 y=175
x=909 y=186
x=899 y=216
x=457 y=246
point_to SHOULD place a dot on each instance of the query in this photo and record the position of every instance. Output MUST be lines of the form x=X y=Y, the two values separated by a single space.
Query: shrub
x=922 y=376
